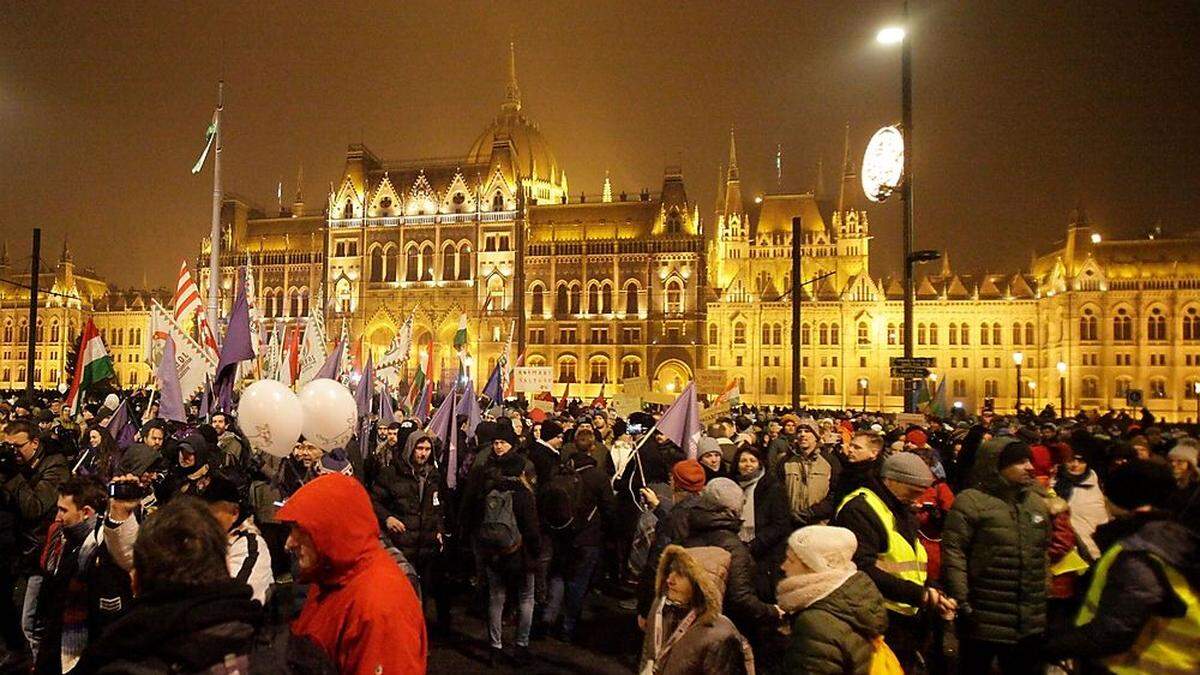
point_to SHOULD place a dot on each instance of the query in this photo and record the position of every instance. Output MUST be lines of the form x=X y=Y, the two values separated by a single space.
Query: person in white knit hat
x=836 y=612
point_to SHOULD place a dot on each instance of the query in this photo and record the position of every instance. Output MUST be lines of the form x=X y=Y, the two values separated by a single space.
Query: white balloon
x=329 y=413
x=271 y=416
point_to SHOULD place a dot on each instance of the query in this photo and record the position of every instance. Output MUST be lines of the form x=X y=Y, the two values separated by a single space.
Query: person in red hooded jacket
x=360 y=608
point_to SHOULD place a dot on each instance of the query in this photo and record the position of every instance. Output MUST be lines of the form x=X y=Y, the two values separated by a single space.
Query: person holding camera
x=29 y=481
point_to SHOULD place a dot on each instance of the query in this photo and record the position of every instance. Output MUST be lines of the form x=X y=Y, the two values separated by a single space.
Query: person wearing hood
x=837 y=614
x=408 y=504
x=671 y=527
x=716 y=521
x=1077 y=483
x=1185 y=498
x=189 y=473
x=766 y=522
x=1141 y=613
x=686 y=633
x=361 y=608
x=809 y=474
x=995 y=559
x=189 y=615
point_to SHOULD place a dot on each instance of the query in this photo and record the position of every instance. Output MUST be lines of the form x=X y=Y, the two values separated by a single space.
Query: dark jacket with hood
x=1135 y=591
x=29 y=497
x=360 y=609
x=594 y=508
x=712 y=644
x=411 y=494
x=994 y=552
x=834 y=635
x=858 y=517
x=711 y=524
x=214 y=628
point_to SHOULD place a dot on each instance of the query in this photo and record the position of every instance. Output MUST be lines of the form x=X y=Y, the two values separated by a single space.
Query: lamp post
x=862 y=384
x=1062 y=389
x=1018 y=359
x=1196 y=391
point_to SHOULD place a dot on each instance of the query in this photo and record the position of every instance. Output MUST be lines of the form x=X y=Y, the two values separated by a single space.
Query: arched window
x=984 y=335
x=1156 y=325
x=1189 y=388
x=343 y=296
x=412 y=264
x=23 y=333
x=497 y=201
x=427 y=263
x=1191 y=325
x=1030 y=334
x=296 y=302
x=766 y=333
x=631 y=299
x=495 y=291
x=1158 y=387
x=823 y=334
x=449 y=255
x=953 y=334
x=1121 y=386
x=921 y=335
x=804 y=386
x=562 y=303
x=933 y=333
x=593 y=303
x=378 y=264
x=891 y=334
x=598 y=369
x=41 y=332
x=1122 y=326
x=566 y=369
x=537 y=300
x=828 y=386
x=302 y=297
x=393 y=260
x=739 y=333
x=991 y=388
x=8 y=333
x=777 y=333
x=996 y=335
x=631 y=366
x=1016 y=333
x=606 y=298
x=805 y=334
x=576 y=293
x=54 y=332
x=1090 y=388
x=465 y=268
x=864 y=333
x=835 y=332
x=713 y=334
x=965 y=334
x=1089 y=326
x=348 y=210
x=673 y=302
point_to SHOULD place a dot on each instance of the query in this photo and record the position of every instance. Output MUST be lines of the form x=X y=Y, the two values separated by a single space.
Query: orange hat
x=916 y=437
x=688 y=475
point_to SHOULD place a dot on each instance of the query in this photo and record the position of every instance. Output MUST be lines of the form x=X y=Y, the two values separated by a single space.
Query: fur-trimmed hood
x=706 y=567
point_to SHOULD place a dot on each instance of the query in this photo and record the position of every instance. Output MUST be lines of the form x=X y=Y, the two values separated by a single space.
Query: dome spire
x=512 y=93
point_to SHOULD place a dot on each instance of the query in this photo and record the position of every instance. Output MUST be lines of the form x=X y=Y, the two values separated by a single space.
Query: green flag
x=209 y=135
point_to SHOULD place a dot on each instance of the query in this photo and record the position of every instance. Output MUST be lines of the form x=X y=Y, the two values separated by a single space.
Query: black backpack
x=561 y=499
x=498 y=533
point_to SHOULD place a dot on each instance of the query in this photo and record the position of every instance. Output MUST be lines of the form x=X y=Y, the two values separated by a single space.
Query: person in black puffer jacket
x=716 y=521
x=407 y=500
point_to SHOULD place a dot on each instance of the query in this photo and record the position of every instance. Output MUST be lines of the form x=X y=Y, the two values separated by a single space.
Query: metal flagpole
x=214 y=254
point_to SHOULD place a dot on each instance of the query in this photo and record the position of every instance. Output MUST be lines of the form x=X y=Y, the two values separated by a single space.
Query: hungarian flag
x=460 y=337
x=93 y=365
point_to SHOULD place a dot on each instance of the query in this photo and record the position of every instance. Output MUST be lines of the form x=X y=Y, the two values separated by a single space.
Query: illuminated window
x=1089 y=326
x=739 y=333
x=631 y=366
x=566 y=369
x=1122 y=326
x=537 y=299
x=1191 y=326
x=1158 y=388
x=674 y=297
x=1156 y=325
x=427 y=263
x=464 y=262
x=598 y=370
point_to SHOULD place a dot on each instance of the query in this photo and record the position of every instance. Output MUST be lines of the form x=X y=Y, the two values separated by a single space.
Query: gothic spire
x=300 y=185
x=733 y=167
x=512 y=93
x=65 y=256
x=606 y=196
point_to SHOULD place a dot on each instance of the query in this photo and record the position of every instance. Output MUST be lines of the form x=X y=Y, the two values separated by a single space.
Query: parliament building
x=652 y=287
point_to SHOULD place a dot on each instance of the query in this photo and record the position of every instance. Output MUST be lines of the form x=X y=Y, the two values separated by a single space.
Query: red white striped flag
x=187 y=296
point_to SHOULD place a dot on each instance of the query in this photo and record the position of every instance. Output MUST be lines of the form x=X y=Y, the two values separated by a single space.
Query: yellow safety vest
x=903 y=558
x=1166 y=645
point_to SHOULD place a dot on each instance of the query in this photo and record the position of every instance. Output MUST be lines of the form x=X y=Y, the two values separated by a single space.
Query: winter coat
x=1185 y=503
x=712 y=645
x=192 y=629
x=1087 y=511
x=1135 y=592
x=932 y=507
x=994 y=553
x=672 y=528
x=710 y=524
x=546 y=461
x=595 y=507
x=858 y=517
x=811 y=485
x=361 y=608
x=30 y=497
x=412 y=495
x=834 y=634
x=525 y=558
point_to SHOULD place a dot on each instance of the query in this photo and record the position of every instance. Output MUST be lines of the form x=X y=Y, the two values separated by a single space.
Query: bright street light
x=1018 y=358
x=892 y=35
x=1062 y=367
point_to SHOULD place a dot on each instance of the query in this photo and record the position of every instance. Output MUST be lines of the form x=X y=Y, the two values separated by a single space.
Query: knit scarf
x=799 y=592
x=749 y=484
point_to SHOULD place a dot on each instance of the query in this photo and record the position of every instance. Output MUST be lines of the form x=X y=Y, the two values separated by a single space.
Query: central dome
x=534 y=156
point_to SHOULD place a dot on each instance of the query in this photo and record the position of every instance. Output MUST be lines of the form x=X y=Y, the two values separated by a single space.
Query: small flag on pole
x=93 y=365
x=460 y=337
x=210 y=134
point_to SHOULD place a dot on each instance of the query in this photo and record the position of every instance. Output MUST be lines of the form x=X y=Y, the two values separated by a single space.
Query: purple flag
x=237 y=346
x=363 y=393
x=441 y=425
x=387 y=414
x=423 y=402
x=681 y=422
x=468 y=406
x=493 y=388
x=170 y=399
x=121 y=427
x=330 y=369
x=206 y=400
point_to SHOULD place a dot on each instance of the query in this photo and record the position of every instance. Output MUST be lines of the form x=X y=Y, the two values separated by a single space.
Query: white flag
x=192 y=362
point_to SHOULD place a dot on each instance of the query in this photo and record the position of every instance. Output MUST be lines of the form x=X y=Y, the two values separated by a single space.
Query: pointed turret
x=819 y=189
x=606 y=195
x=946 y=263
x=512 y=93
x=65 y=256
x=733 y=167
x=733 y=186
x=846 y=171
x=298 y=202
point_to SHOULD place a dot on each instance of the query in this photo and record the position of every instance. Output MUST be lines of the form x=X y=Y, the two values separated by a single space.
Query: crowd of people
x=778 y=541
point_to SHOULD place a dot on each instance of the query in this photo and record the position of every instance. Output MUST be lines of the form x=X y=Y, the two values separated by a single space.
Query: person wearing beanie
x=1139 y=614
x=780 y=444
x=836 y=612
x=546 y=451
x=809 y=474
x=709 y=454
x=889 y=550
x=687 y=480
x=1076 y=482
x=1185 y=498
x=995 y=551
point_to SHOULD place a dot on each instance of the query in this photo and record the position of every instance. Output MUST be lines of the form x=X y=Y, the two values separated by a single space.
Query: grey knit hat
x=724 y=492
x=705 y=445
x=907 y=468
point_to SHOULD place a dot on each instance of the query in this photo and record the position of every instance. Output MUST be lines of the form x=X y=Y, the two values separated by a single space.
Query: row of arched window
x=276 y=303
x=569 y=297
x=1122 y=325
x=598 y=368
x=20 y=331
x=384 y=262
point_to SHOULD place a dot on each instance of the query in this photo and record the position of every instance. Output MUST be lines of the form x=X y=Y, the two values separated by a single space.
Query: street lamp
x=1018 y=359
x=862 y=384
x=1196 y=391
x=891 y=35
x=1062 y=389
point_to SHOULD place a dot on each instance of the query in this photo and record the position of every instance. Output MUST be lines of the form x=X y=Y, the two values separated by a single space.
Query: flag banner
x=256 y=325
x=332 y=368
x=460 y=336
x=192 y=362
x=493 y=388
x=441 y=426
x=93 y=365
x=170 y=406
x=121 y=427
x=271 y=359
x=468 y=406
x=210 y=135
x=187 y=296
x=681 y=422
x=387 y=414
x=599 y=401
x=236 y=348
x=365 y=389
x=289 y=357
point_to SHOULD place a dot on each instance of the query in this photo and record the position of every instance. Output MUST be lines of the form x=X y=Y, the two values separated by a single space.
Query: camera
x=127 y=491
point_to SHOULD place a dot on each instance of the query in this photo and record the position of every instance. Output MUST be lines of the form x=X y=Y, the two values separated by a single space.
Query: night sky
x=1022 y=109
